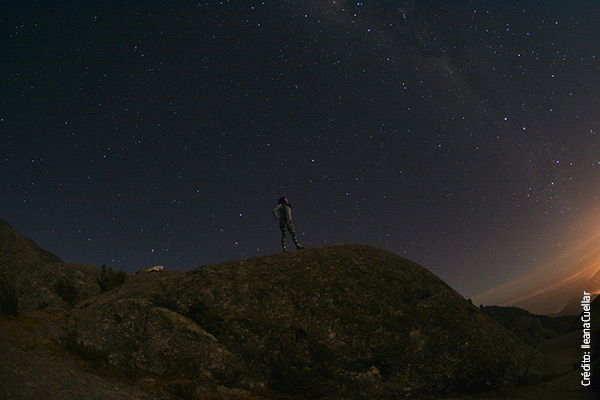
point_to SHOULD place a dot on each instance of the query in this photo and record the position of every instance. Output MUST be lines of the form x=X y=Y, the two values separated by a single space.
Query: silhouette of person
x=283 y=212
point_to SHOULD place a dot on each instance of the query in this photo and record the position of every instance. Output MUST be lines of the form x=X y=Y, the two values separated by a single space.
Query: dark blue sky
x=462 y=135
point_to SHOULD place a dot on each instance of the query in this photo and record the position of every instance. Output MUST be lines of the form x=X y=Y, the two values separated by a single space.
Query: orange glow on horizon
x=561 y=283
x=572 y=267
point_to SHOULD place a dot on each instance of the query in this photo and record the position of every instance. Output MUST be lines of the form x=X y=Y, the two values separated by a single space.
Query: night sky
x=461 y=135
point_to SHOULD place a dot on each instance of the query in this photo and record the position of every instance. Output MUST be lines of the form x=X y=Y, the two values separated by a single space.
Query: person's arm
x=276 y=211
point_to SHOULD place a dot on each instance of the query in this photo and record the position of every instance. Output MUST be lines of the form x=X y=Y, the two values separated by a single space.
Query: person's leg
x=282 y=226
x=293 y=233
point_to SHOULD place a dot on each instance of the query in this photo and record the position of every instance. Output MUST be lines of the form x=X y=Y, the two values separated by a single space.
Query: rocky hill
x=338 y=322
x=16 y=249
x=42 y=279
x=333 y=321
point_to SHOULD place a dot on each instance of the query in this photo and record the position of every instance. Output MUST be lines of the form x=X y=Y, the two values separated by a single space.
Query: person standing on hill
x=283 y=212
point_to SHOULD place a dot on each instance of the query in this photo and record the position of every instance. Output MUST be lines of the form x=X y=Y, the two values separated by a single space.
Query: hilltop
x=329 y=321
x=337 y=322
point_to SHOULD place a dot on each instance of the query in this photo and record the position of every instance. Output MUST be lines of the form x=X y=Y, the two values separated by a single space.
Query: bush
x=66 y=289
x=9 y=296
x=110 y=279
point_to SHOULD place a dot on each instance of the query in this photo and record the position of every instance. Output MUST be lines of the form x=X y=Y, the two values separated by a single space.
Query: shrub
x=9 y=296
x=110 y=279
x=66 y=289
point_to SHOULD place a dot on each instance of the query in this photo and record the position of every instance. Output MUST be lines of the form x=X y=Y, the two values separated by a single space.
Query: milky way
x=463 y=137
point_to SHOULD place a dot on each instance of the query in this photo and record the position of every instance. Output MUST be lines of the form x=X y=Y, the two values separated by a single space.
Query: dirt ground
x=35 y=367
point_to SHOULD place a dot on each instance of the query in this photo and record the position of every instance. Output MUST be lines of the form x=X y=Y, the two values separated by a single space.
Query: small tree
x=9 y=296
x=110 y=279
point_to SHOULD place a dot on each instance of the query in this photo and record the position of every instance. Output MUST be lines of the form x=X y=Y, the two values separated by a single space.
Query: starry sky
x=461 y=135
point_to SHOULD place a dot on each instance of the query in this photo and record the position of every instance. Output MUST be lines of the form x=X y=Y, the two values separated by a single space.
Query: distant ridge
x=573 y=307
x=531 y=328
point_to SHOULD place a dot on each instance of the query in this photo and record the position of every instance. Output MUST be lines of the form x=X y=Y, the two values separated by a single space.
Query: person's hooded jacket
x=283 y=210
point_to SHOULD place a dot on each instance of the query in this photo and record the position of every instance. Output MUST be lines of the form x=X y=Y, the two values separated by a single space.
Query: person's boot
x=284 y=249
x=299 y=246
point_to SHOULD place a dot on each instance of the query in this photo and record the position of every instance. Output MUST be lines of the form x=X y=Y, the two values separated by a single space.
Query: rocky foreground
x=336 y=322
